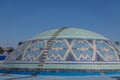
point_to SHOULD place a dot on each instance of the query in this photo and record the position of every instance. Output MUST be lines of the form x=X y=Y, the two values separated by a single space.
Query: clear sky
x=20 y=20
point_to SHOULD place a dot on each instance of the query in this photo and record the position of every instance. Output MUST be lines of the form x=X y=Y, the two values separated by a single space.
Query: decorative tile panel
x=67 y=50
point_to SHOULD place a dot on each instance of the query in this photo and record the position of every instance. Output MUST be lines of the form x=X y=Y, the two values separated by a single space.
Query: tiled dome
x=65 y=50
x=70 y=44
x=70 y=33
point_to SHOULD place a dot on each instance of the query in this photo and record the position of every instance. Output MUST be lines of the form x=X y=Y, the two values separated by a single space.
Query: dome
x=65 y=49
x=67 y=44
x=70 y=33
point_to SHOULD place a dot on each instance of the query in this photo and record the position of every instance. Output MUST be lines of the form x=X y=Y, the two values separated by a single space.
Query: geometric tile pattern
x=33 y=51
x=18 y=51
x=67 y=50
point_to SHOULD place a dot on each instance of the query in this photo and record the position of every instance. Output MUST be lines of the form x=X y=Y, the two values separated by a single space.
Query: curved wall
x=79 y=50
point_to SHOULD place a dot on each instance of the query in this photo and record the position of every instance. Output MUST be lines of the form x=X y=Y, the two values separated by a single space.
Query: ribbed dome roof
x=70 y=33
x=73 y=50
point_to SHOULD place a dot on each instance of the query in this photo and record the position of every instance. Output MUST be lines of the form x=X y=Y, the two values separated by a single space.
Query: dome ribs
x=48 y=46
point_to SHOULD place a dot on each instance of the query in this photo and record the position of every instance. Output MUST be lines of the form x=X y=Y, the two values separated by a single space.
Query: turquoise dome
x=70 y=33
x=65 y=49
x=70 y=44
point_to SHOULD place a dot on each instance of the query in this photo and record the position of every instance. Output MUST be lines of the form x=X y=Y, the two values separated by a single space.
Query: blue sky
x=20 y=20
